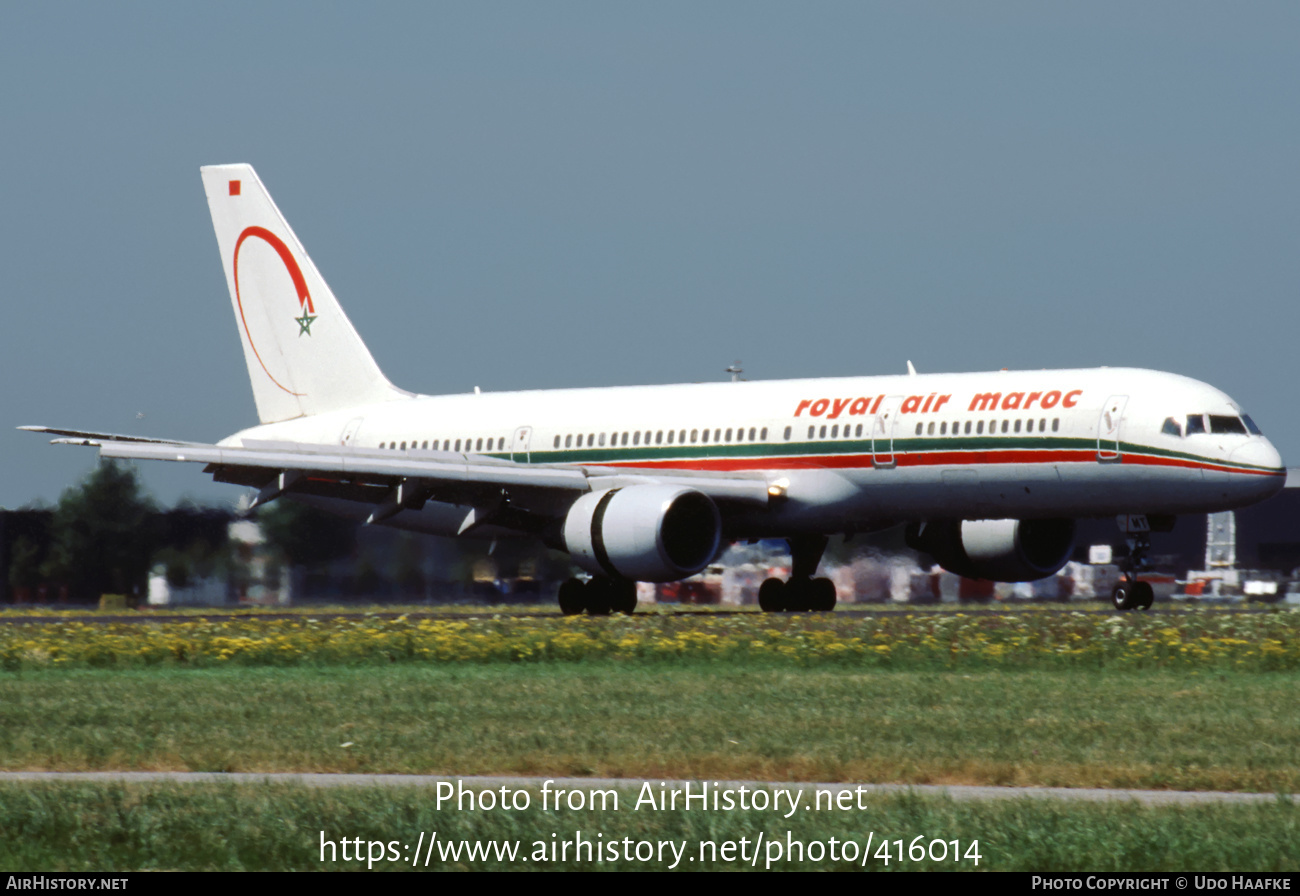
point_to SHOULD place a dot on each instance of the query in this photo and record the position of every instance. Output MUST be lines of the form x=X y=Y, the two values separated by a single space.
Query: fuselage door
x=882 y=432
x=1108 y=426
x=350 y=431
x=519 y=444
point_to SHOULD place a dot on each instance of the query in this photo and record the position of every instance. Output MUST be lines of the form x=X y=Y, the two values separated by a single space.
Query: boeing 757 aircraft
x=988 y=471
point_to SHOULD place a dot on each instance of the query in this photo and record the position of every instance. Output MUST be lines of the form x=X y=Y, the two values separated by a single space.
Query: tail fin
x=304 y=357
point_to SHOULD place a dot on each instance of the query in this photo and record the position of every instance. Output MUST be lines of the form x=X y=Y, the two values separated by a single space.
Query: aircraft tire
x=771 y=596
x=573 y=596
x=823 y=596
x=623 y=597
x=798 y=595
x=599 y=594
x=1143 y=595
x=1122 y=596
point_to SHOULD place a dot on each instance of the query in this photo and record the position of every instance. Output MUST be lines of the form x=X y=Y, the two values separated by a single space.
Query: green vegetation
x=1099 y=728
x=1193 y=642
x=78 y=826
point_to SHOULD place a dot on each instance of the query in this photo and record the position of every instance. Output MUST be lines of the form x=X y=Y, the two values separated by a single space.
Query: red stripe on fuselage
x=927 y=459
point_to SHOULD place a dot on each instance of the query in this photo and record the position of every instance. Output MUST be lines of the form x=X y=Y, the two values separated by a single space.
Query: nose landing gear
x=1133 y=593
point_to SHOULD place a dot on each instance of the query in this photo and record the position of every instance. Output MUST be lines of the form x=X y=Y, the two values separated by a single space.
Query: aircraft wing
x=394 y=481
x=83 y=437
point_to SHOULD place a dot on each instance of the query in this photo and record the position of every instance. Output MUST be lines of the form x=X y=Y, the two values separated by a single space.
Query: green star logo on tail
x=304 y=323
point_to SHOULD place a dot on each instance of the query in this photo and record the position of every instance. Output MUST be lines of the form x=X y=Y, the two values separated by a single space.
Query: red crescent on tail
x=299 y=283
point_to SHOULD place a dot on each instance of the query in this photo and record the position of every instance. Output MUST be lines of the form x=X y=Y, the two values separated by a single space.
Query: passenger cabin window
x=787 y=433
x=1171 y=428
x=1195 y=423
x=1221 y=423
x=979 y=427
x=762 y=435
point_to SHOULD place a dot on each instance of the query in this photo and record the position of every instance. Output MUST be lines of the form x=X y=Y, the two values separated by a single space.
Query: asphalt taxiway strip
x=955 y=792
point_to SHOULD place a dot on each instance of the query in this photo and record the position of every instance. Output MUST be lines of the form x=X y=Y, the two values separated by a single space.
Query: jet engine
x=647 y=533
x=999 y=550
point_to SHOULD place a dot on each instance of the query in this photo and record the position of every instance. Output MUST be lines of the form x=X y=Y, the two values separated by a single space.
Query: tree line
x=107 y=535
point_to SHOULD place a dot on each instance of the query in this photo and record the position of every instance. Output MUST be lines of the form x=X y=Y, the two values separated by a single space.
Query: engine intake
x=647 y=533
x=999 y=550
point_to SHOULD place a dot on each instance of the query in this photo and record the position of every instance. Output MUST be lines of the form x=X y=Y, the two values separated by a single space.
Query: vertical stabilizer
x=304 y=357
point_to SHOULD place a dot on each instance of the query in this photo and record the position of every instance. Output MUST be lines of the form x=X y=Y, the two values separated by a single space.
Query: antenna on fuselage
x=911 y=371
x=735 y=370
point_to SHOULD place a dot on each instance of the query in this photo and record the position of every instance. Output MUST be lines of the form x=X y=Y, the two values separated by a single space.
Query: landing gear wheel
x=623 y=597
x=823 y=596
x=599 y=595
x=1143 y=595
x=771 y=596
x=1122 y=596
x=573 y=597
x=798 y=595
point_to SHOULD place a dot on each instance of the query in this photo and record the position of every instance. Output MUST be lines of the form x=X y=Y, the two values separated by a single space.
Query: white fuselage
x=859 y=453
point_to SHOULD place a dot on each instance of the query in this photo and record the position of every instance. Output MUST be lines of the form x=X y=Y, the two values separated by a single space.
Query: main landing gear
x=1133 y=593
x=802 y=592
x=598 y=596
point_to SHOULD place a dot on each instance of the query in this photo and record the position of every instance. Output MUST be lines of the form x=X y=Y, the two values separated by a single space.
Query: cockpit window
x=1250 y=425
x=1172 y=428
x=1220 y=423
x=1195 y=423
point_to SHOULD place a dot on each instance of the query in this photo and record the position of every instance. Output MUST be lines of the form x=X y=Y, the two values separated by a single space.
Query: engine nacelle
x=999 y=550
x=647 y=533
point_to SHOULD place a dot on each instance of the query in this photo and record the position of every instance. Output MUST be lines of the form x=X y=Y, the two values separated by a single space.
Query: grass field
x=942 y=641
x=1205 y=701
x=1101 y=728
x=275 y=827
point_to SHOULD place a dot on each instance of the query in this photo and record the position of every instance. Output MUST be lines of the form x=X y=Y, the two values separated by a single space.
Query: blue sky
x=525 y=195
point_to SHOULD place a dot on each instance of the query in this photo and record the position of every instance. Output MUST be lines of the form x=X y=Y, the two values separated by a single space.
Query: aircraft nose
x=1261 y=455
x=1258 y=453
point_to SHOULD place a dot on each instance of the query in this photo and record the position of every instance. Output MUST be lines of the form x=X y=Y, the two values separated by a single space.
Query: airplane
x=989 y=472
